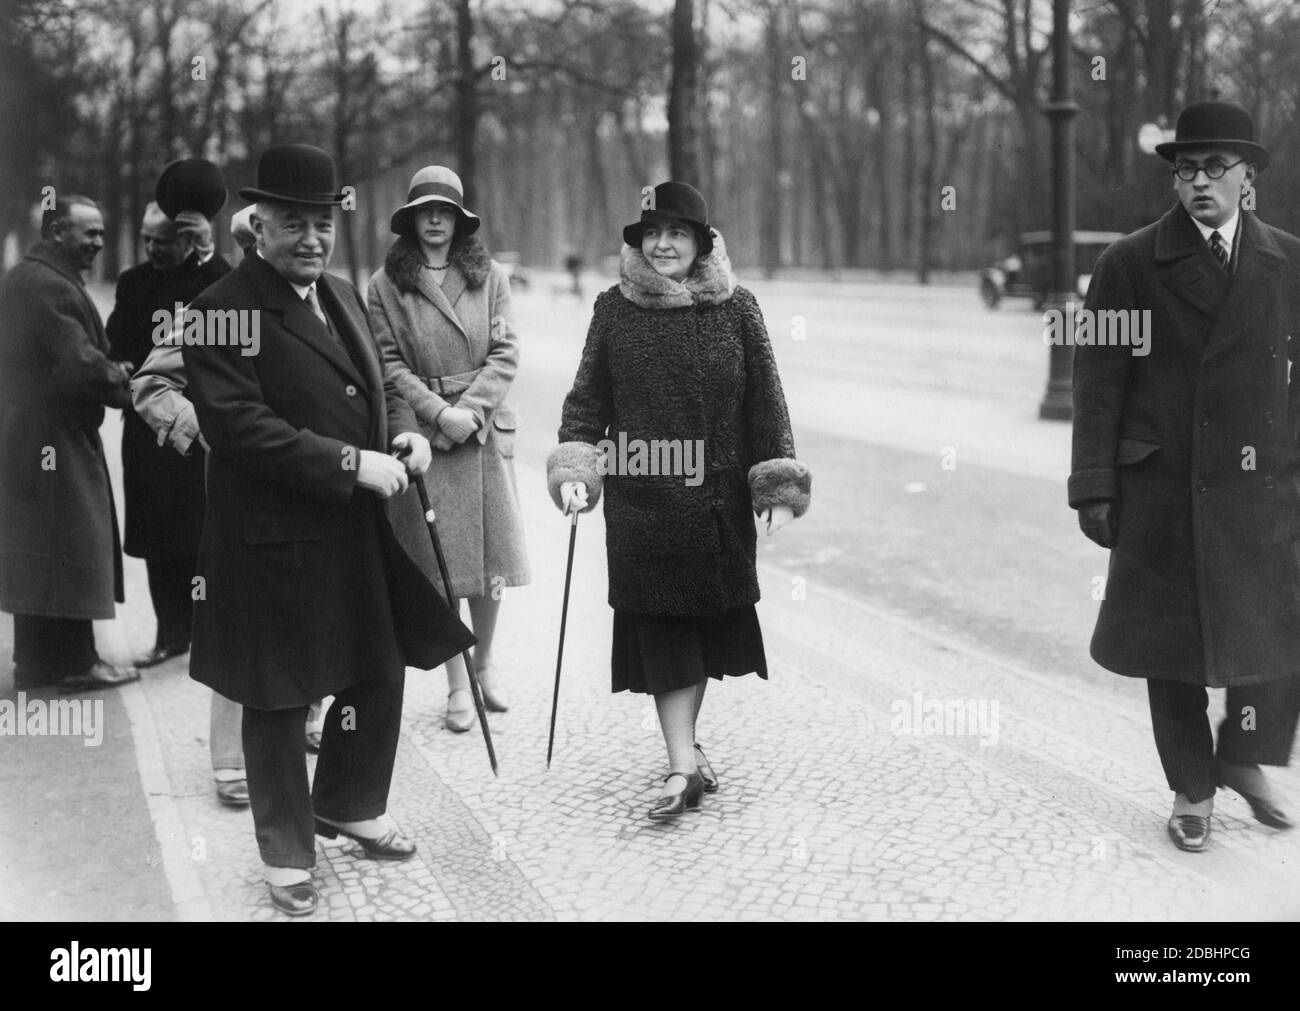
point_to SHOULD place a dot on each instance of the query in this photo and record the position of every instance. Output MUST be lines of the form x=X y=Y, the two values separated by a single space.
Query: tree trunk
x=683 y=97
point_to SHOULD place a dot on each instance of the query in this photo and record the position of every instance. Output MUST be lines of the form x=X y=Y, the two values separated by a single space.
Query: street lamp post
x=1061 y=110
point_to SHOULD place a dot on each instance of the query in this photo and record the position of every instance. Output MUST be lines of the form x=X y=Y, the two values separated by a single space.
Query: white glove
x=574 y=496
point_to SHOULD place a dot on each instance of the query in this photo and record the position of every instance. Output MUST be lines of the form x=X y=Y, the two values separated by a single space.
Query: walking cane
x=475 y=690
x=564 y=617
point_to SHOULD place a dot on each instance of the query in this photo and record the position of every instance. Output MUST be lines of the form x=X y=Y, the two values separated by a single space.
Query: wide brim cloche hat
x=434 y=184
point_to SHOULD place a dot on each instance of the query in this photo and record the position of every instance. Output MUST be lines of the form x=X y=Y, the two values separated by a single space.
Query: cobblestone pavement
x=841 y=799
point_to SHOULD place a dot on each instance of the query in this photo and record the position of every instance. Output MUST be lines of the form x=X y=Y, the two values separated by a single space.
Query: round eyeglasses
x=1214 y=169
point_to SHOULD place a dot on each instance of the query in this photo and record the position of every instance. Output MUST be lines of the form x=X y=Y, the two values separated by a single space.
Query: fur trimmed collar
x=404 y=262
x=709 y=282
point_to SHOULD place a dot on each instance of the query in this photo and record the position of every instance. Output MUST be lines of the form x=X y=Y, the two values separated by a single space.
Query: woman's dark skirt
x=654 y=654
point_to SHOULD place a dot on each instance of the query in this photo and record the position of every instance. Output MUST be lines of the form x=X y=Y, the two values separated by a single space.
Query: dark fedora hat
x=296 y=174
x=434 y=184
x=675 y=200
x=191 y=184
x=1215 y=124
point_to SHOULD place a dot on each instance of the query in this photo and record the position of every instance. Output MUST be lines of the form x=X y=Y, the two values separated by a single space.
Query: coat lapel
x=1261 y=261
x=46 y=252
x=277 y=295
x=346 y=313
x=1187 y=265
x=442 y=297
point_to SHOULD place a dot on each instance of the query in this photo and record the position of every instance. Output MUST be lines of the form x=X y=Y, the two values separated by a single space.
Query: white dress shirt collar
x=1228 y=230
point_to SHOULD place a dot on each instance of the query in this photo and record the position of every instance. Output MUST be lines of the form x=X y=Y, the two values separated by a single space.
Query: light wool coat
x=455 y=345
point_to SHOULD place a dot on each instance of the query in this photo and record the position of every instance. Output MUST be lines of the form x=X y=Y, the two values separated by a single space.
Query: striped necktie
x=1219 y=249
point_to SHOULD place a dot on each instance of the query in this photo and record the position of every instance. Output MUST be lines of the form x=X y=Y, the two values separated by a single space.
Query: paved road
x=912 y=583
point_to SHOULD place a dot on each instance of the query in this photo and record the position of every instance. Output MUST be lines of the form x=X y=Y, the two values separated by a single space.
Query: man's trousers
x=353 y=771
x=1259 y=729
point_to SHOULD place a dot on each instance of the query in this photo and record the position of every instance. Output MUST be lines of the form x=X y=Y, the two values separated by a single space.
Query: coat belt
x=451 y=385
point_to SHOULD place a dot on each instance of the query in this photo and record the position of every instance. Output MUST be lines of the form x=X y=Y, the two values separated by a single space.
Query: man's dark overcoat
x=306 y=591
x=163 y=490
x=1196 y=442
x=59 y=549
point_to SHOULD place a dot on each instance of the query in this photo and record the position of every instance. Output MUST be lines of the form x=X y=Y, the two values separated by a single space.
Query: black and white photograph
x=692 y=461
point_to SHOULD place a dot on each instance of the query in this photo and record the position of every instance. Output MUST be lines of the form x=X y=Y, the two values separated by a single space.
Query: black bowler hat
x=191 y=184
x=1215 y=124
x=295 y=174
x=675 y=200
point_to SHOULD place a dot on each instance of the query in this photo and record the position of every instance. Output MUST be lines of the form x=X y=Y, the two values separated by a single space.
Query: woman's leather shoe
x=463 y=717
x=295 y=900
x=493 y=700
x=1189 y=832
x=706 y=771
x=688 y=800
x=389 y=846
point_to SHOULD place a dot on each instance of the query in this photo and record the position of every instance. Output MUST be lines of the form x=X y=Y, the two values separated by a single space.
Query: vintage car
x=1028 y=271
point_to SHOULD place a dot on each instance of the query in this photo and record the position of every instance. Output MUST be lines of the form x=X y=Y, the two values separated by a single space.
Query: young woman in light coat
x=440 y=311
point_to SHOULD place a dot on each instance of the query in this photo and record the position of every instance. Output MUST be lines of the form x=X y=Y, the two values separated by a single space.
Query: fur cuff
x=574 y=461
x=778 y=482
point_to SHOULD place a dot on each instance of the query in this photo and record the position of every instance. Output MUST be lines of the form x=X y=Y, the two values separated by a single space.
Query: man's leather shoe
x=296 y=900
x=160 y=653
x=1189 y=832
x=233 y=792
x=1264 y=810
x=389 y=846
x=98 y=675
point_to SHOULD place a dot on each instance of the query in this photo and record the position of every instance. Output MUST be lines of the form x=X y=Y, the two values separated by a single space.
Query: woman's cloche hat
x=434 y=183
x=1215 y=124
x=675 y=200
x=295 y=174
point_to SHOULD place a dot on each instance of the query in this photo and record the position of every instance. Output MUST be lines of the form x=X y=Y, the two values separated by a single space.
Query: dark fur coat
x=684 y=362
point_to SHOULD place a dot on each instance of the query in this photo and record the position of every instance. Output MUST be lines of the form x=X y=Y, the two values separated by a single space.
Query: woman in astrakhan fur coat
x=440 y=311
x=677 y=413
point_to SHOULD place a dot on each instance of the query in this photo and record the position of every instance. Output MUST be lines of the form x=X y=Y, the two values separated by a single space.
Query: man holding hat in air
x=1185 y=468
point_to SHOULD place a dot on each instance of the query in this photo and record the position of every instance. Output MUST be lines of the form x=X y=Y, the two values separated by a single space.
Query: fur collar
x=709 y=282
x=404 y=259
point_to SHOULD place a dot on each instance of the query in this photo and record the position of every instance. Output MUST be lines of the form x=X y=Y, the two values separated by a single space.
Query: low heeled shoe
x=1190 y=832
x=666 y=808
x=389 y=846
x=298 y=899
x=1264 y=810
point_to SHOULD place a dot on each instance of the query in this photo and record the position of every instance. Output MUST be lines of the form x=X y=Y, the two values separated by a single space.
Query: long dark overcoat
x=687 y=362
x=59 y=549
x=307 y=591
x=163 y=490
x=455 y=344
x=1196 y=444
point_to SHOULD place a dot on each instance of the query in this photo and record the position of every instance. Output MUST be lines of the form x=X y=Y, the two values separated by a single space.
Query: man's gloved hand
x=198 y=229
x=1099 y=521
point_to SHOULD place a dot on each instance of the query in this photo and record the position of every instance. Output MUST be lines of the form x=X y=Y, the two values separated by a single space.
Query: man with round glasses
x=1185 y=467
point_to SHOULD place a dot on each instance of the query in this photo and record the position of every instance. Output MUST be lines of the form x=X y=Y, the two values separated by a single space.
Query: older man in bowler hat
x=1185 y=467
x=307 y=593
